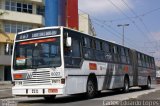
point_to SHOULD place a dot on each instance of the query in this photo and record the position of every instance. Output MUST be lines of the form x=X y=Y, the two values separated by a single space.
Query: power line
x=137 y=27
x=141 y=20
x=102 y=25
x=103 y=22
x=134 y=17
x=151 y=11
x=113 y=29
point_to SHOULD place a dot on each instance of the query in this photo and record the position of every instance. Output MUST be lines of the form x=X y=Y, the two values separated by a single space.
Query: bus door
x=134 y=67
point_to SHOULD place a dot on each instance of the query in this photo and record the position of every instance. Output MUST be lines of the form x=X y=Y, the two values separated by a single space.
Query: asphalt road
x=79 y=100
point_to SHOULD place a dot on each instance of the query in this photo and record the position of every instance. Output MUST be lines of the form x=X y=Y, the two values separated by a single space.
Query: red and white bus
x=60 y=61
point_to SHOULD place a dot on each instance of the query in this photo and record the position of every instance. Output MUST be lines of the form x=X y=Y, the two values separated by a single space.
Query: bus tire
x=91 y=89
x=50 y=98
x=126 y=85
x=148 y=83
x=148 y=86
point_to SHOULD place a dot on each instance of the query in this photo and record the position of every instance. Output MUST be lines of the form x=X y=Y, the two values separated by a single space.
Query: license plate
x=35 y=91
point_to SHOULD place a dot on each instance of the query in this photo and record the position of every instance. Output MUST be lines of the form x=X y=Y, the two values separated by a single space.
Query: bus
x=54 y=61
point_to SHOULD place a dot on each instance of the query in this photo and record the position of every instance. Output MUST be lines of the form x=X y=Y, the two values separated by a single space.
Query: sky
x=143 y=17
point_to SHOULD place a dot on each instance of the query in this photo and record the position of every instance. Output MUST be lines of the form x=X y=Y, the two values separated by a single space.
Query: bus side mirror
x=69 y=42
x=7 y=48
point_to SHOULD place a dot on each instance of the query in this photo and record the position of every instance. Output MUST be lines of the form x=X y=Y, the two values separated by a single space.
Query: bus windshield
x=41 y=53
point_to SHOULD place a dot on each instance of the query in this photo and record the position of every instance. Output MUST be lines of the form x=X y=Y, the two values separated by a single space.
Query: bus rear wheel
x=126 y=85
x=149 y=83
x=148 y=86
x=50 y=98
x=91 y=89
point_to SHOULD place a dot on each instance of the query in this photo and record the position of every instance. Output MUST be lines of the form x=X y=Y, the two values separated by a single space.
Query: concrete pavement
x=5 y=90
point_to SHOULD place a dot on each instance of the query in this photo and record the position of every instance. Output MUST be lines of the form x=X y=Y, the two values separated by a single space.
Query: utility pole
x=123 y=25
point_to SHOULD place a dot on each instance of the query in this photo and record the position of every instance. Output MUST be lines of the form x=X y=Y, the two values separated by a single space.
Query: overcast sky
x=143 y=17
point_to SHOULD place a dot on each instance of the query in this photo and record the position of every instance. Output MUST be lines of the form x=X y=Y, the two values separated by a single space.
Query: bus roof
x=36 y=29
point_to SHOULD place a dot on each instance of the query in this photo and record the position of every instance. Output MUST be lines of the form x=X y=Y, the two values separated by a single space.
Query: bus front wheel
x=91 y=89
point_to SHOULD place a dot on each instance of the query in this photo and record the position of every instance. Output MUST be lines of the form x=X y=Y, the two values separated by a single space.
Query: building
x=21 y=15
x=16 y=16
x=85 y=24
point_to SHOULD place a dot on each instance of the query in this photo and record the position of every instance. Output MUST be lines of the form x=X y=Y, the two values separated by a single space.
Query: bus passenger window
x=67 y=51
x=84 y=42
x=72 y=54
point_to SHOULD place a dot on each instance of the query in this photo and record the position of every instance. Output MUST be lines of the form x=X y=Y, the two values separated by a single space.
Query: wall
x=51 y=12
x=72 y=14
x=85 y=24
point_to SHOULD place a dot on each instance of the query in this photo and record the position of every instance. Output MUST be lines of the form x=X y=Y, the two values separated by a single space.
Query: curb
x=6 y=87
x=6 y=97
x=5 y=82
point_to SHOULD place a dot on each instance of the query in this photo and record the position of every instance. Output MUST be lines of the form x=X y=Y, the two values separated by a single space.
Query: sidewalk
x=148 y=99
x=5 y=89
x=151 y=96
x=5 y=85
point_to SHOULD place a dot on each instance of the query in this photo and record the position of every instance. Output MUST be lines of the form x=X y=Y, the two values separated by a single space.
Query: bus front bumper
x=37 y=90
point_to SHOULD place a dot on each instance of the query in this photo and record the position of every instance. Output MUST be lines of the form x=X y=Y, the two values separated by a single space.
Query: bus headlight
x=19 y=83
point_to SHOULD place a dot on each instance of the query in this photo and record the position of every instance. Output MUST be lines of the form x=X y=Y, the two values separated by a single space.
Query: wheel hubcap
x=149 y=83
x=126 y=85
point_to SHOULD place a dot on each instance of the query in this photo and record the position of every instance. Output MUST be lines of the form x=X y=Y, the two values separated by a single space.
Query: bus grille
x=38 y=78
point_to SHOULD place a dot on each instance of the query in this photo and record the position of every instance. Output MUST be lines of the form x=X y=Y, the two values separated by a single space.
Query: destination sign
x=37 y=34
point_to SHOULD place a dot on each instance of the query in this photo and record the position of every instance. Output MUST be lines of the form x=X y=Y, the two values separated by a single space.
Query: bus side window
x=94 y=44
x=73 y=54
x=143 y=61
x=139 y=59
x=108 y=51
x=123 y=57
x=101 y=46
x=147 y=61
x=153 y=64
x=67 y=50
x=99 y=53
x=88 y=48
x=76 y=48
x=84 y=42
x=115 y=53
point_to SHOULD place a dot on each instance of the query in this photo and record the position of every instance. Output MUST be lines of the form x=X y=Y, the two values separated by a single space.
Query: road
x=5 y=93
x=79 y=100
